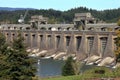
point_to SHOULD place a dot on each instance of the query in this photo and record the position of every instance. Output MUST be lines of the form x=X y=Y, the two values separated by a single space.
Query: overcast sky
x=61 y=4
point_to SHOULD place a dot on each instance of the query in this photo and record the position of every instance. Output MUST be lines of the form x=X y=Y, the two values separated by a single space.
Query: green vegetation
x=15 y=64
x=118 y=22
x=68 y=67
x=56 y=16
x=71 y=67
x=96 y=72
x=3 y=50
x=117 y=42
x=75 y=77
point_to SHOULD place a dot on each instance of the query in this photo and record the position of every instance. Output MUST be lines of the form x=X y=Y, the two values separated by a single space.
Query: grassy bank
x=75 y=77
x=100 y=72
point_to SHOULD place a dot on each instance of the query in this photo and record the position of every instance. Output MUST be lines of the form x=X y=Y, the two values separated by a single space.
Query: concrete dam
x=92 y=43
x=61 y=44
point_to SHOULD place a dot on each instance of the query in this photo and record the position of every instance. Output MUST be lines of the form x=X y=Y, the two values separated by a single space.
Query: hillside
x=13 y=9
x=59 y=16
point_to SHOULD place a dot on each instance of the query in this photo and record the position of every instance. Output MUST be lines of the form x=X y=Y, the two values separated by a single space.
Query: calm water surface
x=49 y=67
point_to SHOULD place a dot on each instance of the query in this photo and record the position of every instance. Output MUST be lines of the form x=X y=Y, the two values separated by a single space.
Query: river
x=49 y=67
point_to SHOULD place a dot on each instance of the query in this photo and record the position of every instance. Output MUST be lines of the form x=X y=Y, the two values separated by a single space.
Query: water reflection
x=49 y=67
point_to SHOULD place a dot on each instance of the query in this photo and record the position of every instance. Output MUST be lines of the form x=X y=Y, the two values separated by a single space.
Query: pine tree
x=68 y=67
x=3 y=57
x=117 y=42
x=19 y=65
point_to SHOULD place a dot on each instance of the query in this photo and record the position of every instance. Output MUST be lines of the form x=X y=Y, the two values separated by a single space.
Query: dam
x=85 y=39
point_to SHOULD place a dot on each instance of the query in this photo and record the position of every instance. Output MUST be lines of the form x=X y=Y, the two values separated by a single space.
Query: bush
x=100 y=72
x=68 y=67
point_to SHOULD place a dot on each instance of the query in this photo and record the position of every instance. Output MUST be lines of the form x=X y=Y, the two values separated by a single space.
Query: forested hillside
x=13 y=9
x=56 y=16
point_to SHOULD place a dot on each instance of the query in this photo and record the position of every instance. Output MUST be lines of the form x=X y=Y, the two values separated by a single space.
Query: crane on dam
x=22 y=18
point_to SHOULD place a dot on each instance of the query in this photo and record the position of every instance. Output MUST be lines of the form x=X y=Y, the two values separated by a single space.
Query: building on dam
x=87 y=39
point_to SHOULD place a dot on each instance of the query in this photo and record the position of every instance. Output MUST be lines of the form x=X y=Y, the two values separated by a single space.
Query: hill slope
x=12 y=15
x=13 y=9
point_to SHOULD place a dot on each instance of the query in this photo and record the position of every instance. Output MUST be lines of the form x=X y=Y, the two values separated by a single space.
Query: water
x=49 y=67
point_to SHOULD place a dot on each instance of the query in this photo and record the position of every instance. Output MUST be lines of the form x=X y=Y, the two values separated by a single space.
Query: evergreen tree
x=117 y=42
x=118 y=22
x=3 y=57
x=68 y=67
x=19 y=65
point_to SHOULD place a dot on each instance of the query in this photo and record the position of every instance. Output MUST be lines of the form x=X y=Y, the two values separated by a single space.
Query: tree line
x=56 y=16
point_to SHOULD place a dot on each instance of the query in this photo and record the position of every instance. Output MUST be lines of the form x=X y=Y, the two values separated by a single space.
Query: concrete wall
x=80 y=43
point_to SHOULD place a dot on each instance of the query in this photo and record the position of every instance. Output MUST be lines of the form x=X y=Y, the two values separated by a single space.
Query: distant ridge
x=14 y=9
x=109 y=15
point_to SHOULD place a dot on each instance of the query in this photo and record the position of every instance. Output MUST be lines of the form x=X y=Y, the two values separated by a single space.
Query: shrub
x=68 y=67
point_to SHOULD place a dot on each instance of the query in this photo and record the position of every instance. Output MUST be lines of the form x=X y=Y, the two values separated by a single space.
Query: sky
x=62 y=5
